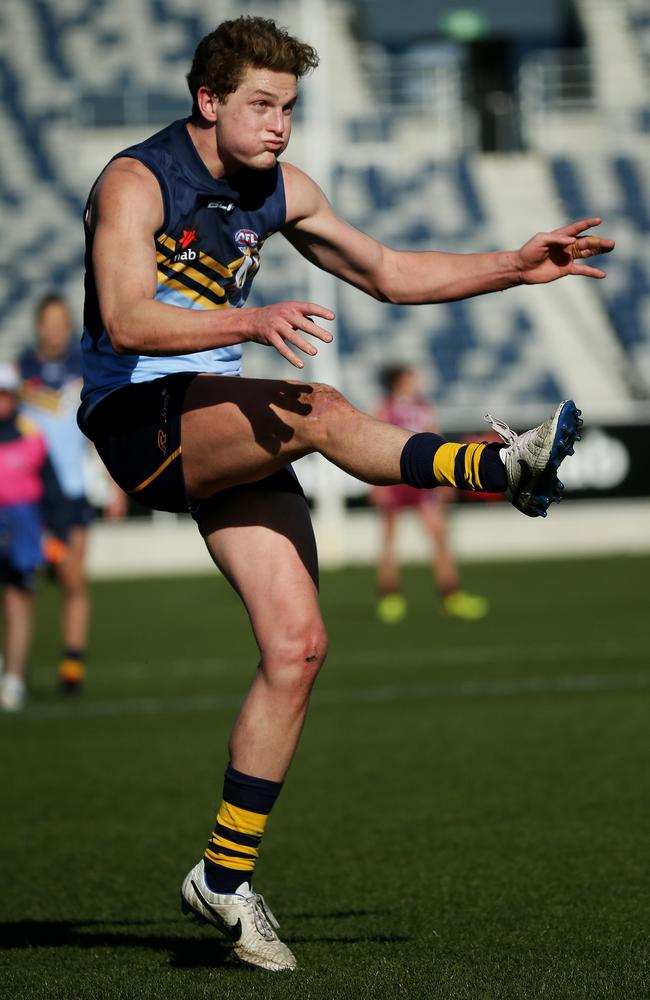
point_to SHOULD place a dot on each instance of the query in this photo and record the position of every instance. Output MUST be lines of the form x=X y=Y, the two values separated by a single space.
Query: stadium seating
x=65 y=64
x=620 y=186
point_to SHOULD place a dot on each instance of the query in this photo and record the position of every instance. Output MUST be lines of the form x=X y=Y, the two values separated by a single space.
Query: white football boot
x=243 y=917
x=533 y=458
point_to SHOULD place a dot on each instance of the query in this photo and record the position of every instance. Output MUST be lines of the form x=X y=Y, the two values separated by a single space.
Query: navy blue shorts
x=137 y=433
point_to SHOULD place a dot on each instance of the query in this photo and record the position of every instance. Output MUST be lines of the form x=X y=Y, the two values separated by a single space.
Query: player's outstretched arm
x=411 y=278
x=125 y=213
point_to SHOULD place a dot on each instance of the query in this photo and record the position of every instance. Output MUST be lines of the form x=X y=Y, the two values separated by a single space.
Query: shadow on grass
x=184 y=952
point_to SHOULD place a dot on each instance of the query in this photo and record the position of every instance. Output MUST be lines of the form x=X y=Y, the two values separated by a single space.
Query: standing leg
x=75 y=610
x=263 y=542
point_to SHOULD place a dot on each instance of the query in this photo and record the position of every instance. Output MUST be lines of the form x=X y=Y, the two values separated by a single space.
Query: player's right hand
x=283 y=324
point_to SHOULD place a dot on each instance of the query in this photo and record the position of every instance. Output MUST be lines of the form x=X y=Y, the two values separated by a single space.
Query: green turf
x=467 y=817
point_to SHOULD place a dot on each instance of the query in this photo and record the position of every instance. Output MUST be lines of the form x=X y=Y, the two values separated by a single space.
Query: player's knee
x=292 y=661
x=327 y=404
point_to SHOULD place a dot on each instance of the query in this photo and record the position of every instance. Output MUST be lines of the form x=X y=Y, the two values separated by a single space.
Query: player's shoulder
x=302 y=193
x=126 y=189
x=126 y=171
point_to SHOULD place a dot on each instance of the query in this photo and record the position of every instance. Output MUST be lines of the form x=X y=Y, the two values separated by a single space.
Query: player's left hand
x=548 y=256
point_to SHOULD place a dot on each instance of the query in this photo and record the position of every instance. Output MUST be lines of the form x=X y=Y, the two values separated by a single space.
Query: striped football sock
x=232 y=850
x=428 y=460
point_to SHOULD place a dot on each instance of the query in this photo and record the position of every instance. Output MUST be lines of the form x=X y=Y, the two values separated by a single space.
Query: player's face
x=53 y=330
x=254 y=123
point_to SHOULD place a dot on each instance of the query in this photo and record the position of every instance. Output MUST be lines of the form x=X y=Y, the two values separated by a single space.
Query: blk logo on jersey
x=188 y=237
x=246 y=240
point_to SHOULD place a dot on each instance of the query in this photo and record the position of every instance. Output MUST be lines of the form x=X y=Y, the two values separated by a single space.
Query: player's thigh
x=236 y=430
x=263 y=542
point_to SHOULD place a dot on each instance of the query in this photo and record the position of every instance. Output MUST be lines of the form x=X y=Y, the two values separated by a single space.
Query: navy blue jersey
x=207 y=253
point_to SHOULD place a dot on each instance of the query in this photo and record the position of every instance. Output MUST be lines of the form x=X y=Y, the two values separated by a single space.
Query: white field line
x=476 y=689
x=595 y=650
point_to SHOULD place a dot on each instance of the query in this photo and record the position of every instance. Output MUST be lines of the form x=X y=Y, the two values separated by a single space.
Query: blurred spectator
x=405 y=406
x=26 y=480
x=51 y=382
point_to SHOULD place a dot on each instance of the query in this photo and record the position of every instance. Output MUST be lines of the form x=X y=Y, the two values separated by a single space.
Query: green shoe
x=391 y=609
x=459 y=604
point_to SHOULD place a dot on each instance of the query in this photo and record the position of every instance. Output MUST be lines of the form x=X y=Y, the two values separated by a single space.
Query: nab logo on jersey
x=246 y=239
x=188 y=237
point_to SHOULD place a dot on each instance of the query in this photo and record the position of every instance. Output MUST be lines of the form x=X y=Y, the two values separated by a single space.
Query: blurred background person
x=51 y=381
x=405 y=406
x=23 y=468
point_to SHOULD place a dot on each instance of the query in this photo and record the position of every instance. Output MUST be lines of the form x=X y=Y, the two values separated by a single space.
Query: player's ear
x=208 y=104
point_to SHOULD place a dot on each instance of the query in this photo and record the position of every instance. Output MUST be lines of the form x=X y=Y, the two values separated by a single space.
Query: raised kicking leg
x=263 y=542
x=239 y=430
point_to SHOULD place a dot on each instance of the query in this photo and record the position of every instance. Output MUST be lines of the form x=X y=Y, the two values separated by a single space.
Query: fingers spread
x=574 y=228
x=286 y=352
x=591 y=246
x=587 y=271
x=294 y=338
x=316 y=331
x=313 y=309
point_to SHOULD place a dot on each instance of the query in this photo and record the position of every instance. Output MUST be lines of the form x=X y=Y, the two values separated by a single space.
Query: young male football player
x=175 y=226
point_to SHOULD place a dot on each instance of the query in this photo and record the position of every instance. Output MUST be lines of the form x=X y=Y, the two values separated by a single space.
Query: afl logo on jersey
x=246 y=239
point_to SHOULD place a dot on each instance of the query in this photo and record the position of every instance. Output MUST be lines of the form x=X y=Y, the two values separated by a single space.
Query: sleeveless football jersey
x=207 y=253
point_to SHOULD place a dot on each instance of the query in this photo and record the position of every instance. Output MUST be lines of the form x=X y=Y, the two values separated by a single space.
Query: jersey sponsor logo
x=246 y=239
x=225 y=206
x=187 y=237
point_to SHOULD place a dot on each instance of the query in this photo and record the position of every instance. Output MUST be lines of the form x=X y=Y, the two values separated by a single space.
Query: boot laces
x=500 y=426
x=264 y=920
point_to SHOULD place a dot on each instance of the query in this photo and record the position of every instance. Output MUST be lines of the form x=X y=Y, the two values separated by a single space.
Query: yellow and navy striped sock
x=232 y=850
x=428 y=460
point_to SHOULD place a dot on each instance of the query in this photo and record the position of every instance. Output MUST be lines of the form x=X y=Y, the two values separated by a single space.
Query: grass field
x=467 y=817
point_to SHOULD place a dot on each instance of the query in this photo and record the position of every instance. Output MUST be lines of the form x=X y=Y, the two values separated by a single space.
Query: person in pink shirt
x=405 y=406
x=24 y=476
